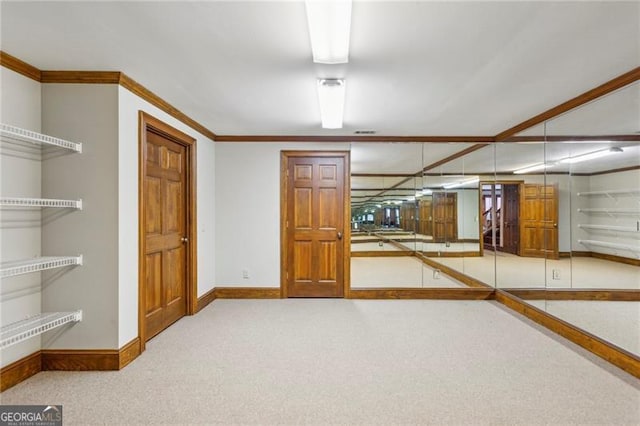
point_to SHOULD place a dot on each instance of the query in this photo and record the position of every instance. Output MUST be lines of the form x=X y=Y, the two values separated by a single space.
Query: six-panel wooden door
x=315 y=226
x=165 y=230
x=539 y=221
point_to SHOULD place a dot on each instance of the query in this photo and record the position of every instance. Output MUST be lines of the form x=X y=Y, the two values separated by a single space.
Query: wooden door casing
x=445 y=216
x=539 y=221
x=316 y=224
x=167 y=258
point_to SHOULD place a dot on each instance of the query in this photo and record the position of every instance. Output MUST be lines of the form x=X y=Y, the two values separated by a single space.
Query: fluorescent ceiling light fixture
x=411 y=198
x=461 y=183
x=329 y=27
x=533 y=168
x=591 y=155
x=427 y=191
x=331 y=97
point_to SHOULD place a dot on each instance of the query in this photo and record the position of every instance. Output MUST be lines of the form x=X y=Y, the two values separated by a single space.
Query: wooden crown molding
x=21 y=67
x=353 y=138
x=605 y=88
x=80 y=77
x=102 y=77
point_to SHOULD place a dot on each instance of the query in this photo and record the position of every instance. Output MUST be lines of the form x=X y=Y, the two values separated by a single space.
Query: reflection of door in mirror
x=539 y=224
x=425 y=224
x=445 y=216
x=501 y=216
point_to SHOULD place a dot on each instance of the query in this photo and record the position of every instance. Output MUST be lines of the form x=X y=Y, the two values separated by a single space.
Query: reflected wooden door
x=445 y=216
x=165 y=230
x=539 y=221
x=426 y=220
x=510 y=217
x=315 y=225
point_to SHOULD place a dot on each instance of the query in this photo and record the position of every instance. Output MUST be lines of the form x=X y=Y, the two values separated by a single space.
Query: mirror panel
x=592 y=154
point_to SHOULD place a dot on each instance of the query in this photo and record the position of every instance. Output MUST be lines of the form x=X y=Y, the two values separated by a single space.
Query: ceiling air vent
x=365 y=132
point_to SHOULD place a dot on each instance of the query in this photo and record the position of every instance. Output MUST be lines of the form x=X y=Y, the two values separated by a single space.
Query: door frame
x=284 y=261
x=149 y=122
x=480 y=212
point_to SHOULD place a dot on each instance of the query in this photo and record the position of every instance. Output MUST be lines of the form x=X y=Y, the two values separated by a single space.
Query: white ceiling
x=416 y=68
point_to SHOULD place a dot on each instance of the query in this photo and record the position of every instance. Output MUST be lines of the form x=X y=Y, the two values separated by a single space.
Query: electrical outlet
x=447 y=244
x=245 y=274
x=556 y=274
x=380 y=243
x=436 y=274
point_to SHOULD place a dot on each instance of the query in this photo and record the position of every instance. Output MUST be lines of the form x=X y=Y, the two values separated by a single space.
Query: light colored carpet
x=347 y=362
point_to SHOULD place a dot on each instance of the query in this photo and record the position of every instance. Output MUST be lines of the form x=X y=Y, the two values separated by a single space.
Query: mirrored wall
x=552 y=215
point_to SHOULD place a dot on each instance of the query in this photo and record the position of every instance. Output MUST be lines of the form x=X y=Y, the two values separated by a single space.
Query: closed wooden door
x=315 y=226
x=539 y=221
x=511 y=214
x=445 y=216
x=165 y=231
x=426 y=220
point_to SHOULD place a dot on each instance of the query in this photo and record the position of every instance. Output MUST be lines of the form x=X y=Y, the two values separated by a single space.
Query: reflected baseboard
x=575 y=294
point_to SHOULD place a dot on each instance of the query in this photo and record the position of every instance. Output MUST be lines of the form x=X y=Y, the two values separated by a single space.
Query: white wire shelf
x=611 y=227
x=610 y=192
x=41 y=202
x=616 y=246
x=37 y=264
x=13 y=133
x=22 y=330
x=610 y=210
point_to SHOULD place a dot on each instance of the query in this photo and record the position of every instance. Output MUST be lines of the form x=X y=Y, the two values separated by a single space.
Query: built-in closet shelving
x=31 y=326
x=617 y=212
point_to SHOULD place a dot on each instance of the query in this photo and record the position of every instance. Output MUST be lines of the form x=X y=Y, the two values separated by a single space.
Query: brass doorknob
x=184 y=239
x=339 y=235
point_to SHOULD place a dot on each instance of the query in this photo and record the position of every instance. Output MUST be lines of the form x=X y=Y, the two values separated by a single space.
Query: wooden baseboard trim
x=129 y=352
x=455 y=274
x=20 y=370
x=605 y=350
x=450 y=253
x=205 y=299
x=423 y=293
x=610 y=257
x=381 y=253
x=80 y=359
x=614 y=258
x=575 y=294
x=247 y=293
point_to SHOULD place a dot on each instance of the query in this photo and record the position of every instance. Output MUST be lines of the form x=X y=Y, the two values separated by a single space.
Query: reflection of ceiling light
x=329 y=28
x=411 y=198
x=419 y=194
x=533 y=168
x=397 y=202
x=331 y=97
x=427 y=191
x=460 y=183
x=591 y=155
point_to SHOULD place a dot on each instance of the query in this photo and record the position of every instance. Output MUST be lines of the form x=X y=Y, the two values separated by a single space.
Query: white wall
x=128 y=107
x=468 y=208
x=86 y=113
x=20 y=105
x=247 y=218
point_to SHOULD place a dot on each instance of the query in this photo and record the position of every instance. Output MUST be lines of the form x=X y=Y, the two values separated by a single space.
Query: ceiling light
x=331 y=96
x=533 y=168
x=591 y=155
x=329 y=28
x=427 y=191
x=460 y=183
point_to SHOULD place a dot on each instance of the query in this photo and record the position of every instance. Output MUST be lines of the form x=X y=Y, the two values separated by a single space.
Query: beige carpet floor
x=347 y=362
